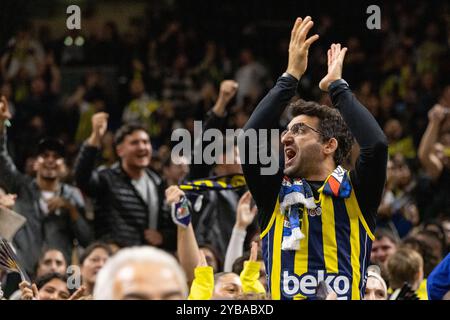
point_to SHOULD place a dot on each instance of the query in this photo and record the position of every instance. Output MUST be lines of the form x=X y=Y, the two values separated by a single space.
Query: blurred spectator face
x=177 y=172
x=99 y=105
x=38 y=87
x=50 y=165
x=181 y=63
x=211 y=259
x=52 y=261
x=55 y=289
x=108 y=31
x=227 y=286
x=135 y=150
x=92 y=265
x=146 y=281
x=246 y=57
x=382 y=249
x=390 y=174
x=401 y=171
x=137 y=88
x=366 y=88
x=373 y=104
x=428 y=81
x=92 y=79
x=7 y=200
x=208 y=91
x=37 y=124
x=387 y=101
x=6 y=90
x=393 y=130
x=432 y=31
x=374 y=290
x=434 y=243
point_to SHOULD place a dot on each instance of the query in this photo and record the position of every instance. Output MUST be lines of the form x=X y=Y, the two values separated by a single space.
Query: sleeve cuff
x=337 y=83
x=288 y=75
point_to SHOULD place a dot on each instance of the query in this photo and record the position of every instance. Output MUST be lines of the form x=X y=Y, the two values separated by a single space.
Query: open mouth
x=289 y=155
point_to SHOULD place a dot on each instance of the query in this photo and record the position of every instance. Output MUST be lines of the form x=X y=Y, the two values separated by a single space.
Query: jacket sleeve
x=81 y=228
x=86 y=177
x=10 y=177
x=203 y=285
x=202 y=170
x=265 y=187
x=438 y=282
x=167 y=229
x=235 y=248
x=369 y=175
x=250 y=277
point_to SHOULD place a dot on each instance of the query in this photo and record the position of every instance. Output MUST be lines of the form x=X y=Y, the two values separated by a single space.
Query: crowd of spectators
x=168 y=72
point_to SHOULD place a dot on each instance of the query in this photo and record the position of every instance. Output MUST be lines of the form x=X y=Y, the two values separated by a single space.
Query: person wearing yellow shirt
x=226 y=285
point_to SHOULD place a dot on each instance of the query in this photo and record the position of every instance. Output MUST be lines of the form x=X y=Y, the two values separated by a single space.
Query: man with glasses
x=317 y=219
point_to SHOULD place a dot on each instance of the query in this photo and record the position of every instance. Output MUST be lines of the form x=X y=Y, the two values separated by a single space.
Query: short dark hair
x=87 y=252
x=51 y=144
x=46 y=278
x=331 y=125
x=425 y=250
x=45 y=250
x=215 y=252
x=219 y=275
x=126 y=130
x=238 y=264
x=381 y=233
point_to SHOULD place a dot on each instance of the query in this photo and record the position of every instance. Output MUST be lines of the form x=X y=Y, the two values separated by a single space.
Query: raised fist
x=99 y=124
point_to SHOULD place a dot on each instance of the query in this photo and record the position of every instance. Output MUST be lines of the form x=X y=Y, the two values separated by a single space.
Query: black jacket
x=214 y=222
x=41 y=231
x=121 y=215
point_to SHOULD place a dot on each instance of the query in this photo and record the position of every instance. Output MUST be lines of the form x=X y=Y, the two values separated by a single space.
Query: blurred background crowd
x=162 y=63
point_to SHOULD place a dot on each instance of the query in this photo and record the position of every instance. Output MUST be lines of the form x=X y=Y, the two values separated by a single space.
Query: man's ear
x=119 y=150
x=330 y=146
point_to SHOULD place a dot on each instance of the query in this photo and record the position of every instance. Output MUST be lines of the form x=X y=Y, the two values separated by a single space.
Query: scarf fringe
x=292 y=242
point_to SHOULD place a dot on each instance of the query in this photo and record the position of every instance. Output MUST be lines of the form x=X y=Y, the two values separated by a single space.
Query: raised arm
x=215 y=119
x=264 y=188
x=10 y=177
x=187 y=247
x=244 y=217
x=369 y=175
x=86 y=177
x=431 y=163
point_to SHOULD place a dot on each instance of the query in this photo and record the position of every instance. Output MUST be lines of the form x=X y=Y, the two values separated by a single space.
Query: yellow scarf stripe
x=301 y=257
x=276 y=261
x=329 y=236
x=354 y=215
x=272 y=219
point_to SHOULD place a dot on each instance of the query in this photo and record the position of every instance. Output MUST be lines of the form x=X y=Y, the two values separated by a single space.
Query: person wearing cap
x=54 y=210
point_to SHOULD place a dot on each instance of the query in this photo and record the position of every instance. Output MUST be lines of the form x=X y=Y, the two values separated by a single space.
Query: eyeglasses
x=299 y=128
